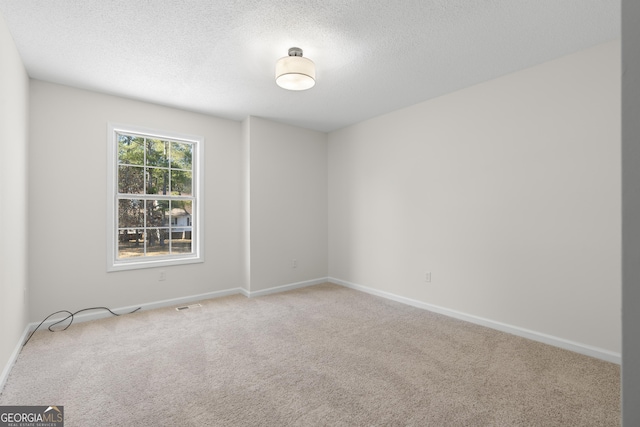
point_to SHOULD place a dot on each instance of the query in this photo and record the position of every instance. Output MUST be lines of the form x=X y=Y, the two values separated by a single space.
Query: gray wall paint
x=67 y=196
x=507 y=191
x=630 y=212
x=265 y=203
x=14 y=97
x=287 y=205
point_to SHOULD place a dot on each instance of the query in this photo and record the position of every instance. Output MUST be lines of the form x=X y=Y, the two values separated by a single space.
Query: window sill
x=137 y=265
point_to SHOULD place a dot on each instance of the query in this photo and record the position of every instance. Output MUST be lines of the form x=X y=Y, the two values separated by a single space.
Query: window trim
x=113 y=263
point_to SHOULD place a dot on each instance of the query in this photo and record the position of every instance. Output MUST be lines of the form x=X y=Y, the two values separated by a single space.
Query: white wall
x=288 y=204
x=67 y=196
x=508 y=192
x=265 y=203
x=14 y=97
x=631 y=212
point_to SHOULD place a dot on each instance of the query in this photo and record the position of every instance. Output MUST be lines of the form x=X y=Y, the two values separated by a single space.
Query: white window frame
x=197 y=224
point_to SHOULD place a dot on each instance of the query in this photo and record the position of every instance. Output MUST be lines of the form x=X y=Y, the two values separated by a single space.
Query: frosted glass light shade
x=295 y=73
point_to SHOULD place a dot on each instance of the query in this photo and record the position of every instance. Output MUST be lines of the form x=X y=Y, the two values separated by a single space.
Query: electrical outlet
x=294 y=263
x=427 y=277
x=163 y=276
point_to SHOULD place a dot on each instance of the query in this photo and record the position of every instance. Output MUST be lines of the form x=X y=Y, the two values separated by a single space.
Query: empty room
x=299 y=213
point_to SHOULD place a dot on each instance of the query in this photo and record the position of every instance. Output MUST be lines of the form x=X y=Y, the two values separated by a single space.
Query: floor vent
x=185 y=307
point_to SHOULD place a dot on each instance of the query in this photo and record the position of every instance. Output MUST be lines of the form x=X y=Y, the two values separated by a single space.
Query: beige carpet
x=323 y=355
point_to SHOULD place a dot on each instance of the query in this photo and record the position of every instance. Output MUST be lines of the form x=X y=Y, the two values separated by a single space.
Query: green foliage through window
x=155 y=197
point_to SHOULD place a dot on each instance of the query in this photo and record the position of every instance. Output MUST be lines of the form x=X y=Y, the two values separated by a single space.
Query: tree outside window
x=155 y=194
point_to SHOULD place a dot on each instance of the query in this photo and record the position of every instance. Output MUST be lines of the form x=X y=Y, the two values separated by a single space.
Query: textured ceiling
x=372 y=56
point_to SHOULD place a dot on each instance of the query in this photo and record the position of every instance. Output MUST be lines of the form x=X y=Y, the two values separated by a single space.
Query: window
x=154 y=190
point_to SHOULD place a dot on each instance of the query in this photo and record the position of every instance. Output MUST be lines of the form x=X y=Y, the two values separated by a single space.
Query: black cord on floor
x=71 y=316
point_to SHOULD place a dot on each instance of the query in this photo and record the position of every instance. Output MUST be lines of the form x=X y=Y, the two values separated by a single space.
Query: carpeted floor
x=323 y=355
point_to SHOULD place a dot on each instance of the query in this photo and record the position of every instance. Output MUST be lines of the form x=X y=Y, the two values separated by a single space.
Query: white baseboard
x=276 y=289
x=587 y=350
x=598 y=353
x=101 y=314
x=13 y=358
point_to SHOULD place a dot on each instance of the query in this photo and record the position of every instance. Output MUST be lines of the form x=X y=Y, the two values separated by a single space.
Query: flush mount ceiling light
x=294 y=72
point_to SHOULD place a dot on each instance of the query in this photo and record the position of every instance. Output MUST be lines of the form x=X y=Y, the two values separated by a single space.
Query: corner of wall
x=246 y=205
x=285 y=204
